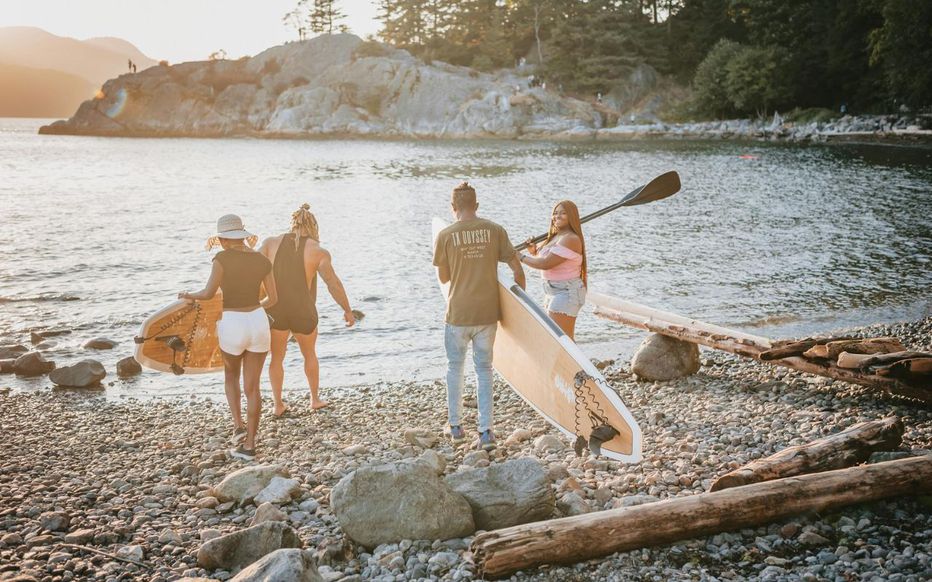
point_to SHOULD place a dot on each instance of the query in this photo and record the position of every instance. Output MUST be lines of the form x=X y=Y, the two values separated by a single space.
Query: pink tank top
x=568 y=269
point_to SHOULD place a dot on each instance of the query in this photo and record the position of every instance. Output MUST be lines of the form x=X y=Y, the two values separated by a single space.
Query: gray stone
x=518 y=436
x=84 y=374
x=292 y=565
x=506 y=494
x=134 y=552
x=268 y=512
x=420 y=437
x=570 y=503
x=388 y=503
x=80 y=536
x=128 y=367
x=641 y=499
x=12 y=351
x=32 y=364
x=664 y=358
x=100 y=344
x=811 y=538
x=548 y=443
x=243 y=485
x=244 y=547
x=278 y=491
x=55 y=520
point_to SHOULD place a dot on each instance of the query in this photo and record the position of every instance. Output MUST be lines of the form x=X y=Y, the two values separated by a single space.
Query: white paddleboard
x=549 y=371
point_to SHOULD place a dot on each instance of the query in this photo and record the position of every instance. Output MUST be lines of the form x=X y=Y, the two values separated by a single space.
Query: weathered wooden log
x=908 y=367
x=844 y=449
x=855 y=361
x=592 y=535
x=874 y=345
x=738 y=342
x=788 y=350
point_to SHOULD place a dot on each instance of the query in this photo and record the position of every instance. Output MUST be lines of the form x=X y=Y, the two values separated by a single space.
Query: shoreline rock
x=340 y=87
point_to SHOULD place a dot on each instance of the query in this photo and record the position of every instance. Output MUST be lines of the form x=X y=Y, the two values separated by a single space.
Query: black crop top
x=243 y=272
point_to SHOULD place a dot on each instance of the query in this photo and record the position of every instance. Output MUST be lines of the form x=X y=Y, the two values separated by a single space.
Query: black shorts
x=303 y=324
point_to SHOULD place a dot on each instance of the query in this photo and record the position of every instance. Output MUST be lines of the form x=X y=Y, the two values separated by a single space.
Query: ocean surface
x=778 y=240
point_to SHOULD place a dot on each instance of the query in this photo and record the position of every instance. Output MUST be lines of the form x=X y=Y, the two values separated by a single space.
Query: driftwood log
x=853 y=361
x=797 y=348
x=744 y=344
x=874 y=345
x=583 y=537
x=849 y=447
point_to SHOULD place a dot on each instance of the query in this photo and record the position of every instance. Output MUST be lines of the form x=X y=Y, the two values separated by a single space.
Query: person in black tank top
x=243 y=330
x=297 y=259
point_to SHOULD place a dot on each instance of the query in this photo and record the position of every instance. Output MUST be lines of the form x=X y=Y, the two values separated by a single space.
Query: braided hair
x=304 y=223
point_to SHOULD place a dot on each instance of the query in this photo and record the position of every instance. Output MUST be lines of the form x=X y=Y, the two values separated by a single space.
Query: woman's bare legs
x=252 y=371
x=566 y=322
x=277 y=368
x=232 y=366
x=308 y=345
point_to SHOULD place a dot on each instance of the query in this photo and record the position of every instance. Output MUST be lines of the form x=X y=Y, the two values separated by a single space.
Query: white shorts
x=244 y=331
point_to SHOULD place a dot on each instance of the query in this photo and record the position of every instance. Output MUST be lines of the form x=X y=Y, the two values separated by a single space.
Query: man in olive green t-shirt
x=466 y=255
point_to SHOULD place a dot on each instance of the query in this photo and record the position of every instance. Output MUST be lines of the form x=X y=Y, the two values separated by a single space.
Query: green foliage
x=902 y=47
x=755 y=80
x=711 y=80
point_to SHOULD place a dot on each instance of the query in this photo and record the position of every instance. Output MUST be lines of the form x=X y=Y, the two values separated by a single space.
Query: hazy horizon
x=177 y=30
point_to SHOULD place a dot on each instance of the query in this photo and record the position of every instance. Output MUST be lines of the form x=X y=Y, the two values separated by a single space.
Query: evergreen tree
x=902 y=48
x=324 y=15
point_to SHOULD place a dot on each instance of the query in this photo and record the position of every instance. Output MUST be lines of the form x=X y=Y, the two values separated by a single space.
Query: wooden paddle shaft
x=575 y=539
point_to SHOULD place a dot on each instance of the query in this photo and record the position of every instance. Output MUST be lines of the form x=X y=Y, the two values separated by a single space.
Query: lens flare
x=119 y=101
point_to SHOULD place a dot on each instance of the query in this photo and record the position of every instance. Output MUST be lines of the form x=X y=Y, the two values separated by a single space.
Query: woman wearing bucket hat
x=243 y=330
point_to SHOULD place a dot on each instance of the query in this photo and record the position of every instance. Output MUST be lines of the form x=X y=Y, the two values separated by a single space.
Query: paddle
x=661 y=187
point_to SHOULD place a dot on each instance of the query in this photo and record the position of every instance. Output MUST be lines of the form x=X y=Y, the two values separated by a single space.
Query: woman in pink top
x=562 y=258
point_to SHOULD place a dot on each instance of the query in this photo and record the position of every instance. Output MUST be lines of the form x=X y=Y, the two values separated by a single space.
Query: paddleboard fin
x=601 y=432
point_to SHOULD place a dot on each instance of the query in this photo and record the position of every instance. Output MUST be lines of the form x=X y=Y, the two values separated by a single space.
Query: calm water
x=98 y=233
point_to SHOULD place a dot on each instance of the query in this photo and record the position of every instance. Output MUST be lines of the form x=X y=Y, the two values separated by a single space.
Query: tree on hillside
x=902 y=47
x=323 y=16
x=297 y=19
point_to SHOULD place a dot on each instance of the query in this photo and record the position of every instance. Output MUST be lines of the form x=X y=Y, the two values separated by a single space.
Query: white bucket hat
x=231 y=226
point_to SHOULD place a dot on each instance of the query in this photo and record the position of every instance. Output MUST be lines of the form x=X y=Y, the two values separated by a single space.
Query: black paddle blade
x=601 y=434
x=663 y=186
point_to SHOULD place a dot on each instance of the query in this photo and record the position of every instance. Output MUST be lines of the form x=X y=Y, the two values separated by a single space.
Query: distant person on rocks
x=297 y=258
x=134 y=68
x=129 y=64
x=466 y=255
x=243 y=330
x=562 y=258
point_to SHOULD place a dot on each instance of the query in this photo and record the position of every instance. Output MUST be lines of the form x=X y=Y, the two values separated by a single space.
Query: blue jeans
x=456 y=339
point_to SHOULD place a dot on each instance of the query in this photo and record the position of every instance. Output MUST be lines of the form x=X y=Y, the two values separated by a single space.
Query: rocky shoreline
x=339 y=86
x=136 y=481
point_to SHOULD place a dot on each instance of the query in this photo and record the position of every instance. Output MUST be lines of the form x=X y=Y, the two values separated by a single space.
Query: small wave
x=45 y=297
x=771 y=320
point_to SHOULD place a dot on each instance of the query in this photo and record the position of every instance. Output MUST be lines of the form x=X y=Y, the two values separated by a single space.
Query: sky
x=177 y=30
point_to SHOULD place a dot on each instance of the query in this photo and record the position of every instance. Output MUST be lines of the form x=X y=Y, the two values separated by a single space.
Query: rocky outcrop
x=330 y=85
x=665 y=358
x=506 y=494
x=396 y=501
x=84 y=374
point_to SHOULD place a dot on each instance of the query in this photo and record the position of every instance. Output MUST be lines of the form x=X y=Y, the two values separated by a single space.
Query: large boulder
x=293 y=565
x=7 y=366
x=32 y=364
x=84 y=374
x=506 y=494
x=244 y=547
x=243 y=485
x=100 y=344
x=388 y=503
x=665 y=358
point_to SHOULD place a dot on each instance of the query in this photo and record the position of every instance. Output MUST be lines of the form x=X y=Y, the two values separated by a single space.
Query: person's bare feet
x=318 y=404
x=280 y=410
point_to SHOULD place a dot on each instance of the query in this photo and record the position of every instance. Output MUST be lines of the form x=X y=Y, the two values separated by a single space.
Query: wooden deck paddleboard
x=544 y=366
x=182 y=338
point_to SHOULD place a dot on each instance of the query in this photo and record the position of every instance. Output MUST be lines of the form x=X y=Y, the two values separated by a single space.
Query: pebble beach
x=132 y=479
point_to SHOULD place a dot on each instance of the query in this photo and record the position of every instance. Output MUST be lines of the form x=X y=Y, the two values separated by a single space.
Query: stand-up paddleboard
x=549 y=371
x=182 y=338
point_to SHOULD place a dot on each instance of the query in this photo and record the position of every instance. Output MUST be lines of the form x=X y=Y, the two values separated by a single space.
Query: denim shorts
x=566 y=297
